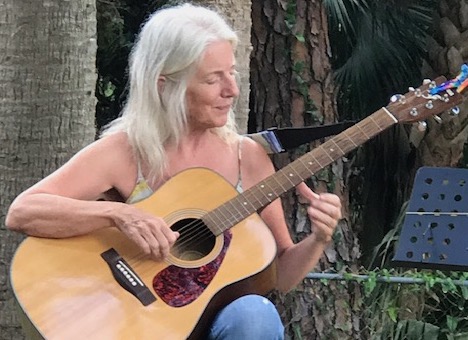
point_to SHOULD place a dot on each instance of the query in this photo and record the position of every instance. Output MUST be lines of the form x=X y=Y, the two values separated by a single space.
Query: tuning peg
x=422 y=126
x=455 y=111
x=417 y=92
x=398 y=98
x=414 y=112
x=432 y=84
x=438 y=119
x=430 y=105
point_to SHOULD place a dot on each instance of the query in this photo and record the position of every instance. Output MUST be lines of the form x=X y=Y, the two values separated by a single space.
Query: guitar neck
x=250 y=201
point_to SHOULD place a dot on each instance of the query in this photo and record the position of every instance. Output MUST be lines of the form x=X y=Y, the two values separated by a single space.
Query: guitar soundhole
x=195 y=241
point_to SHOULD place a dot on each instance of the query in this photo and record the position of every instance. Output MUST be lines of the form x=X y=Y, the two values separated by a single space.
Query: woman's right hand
x=150 y=233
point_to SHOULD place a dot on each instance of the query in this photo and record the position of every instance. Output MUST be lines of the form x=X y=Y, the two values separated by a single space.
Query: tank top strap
x=142 y=189
x=239 y=159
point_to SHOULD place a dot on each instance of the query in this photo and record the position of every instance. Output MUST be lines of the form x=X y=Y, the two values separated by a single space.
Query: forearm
x=46 y=215
x=297 y=261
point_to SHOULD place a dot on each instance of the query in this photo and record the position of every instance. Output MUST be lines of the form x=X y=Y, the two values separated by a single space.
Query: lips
x=224 y=107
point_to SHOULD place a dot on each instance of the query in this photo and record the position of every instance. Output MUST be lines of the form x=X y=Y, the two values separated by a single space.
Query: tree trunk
x=292 y=85
x=47 y=81
x=443 y=143
x=238 y=13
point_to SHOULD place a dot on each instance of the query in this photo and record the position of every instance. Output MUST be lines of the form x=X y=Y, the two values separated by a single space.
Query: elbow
x=284 y=289
x=13 y=218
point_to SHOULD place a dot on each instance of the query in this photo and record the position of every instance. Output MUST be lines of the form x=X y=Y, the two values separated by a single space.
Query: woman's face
x=212 y=89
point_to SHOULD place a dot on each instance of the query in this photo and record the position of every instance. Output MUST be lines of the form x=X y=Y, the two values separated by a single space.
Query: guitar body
x=67 y=291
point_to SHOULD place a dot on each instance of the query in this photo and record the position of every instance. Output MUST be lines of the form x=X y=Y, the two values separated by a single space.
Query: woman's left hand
x=324 y=212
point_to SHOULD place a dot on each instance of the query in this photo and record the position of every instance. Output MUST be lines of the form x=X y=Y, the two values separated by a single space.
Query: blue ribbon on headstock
x=459 y=83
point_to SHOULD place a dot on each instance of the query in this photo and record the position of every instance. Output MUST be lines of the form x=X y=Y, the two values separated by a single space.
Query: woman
x=178 y=116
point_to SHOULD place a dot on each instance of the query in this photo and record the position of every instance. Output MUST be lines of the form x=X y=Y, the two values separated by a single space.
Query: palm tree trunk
x=47 y=80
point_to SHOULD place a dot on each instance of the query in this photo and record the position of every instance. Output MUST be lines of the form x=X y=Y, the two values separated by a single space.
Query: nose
x=230 y=88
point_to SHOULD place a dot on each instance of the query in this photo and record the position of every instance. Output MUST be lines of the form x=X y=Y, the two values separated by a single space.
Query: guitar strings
x=197 y=232
x=192 y=234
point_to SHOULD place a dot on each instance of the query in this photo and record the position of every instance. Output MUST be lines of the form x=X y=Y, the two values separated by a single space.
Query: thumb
x=306 y=193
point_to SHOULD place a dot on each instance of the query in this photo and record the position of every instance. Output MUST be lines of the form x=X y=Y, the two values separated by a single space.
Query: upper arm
x=256 y=166
x=92 y=171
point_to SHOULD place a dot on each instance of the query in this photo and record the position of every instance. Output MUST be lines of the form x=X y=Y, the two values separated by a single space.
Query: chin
x=221 y=123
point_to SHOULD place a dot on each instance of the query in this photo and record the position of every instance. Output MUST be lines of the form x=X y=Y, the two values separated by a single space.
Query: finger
x=170 y=235
x=153 y=242
x=323 y=225
x=306 y=193
x=331 y=199
x=162 y=249
x=168 y=238
x=325 y=219
x=139 y=240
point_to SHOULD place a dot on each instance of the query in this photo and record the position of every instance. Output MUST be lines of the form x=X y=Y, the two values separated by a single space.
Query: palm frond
x=378 y=51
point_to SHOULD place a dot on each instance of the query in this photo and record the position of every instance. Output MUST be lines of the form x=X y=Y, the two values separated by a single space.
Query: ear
x=161 y=82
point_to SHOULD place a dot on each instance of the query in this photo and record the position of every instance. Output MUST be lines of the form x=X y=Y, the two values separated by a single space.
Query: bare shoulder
x=112 y=157
x=256 y=163
x=117 y=141
x=107 y=151
x=102 y=165
x=253 y=152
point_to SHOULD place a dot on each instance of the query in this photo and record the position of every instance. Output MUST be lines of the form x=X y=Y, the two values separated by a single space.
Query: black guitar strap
x=277 y=140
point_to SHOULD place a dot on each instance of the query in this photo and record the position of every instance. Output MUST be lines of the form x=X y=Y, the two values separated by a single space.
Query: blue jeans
x=251 y=317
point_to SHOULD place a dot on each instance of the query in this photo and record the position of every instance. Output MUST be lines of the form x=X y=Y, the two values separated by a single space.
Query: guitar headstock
x=431 y=99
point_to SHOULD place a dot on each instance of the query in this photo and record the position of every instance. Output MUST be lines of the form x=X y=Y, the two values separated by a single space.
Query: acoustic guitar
x=101 y=286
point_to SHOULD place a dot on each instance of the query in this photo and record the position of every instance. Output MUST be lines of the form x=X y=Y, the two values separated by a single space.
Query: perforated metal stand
x=435 y=229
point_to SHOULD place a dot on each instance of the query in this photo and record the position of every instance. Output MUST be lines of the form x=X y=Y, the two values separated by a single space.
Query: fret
x=256 y=197
x=338 y=146
x=375 y=123
x=326 y=153
x=270 y=195
x=273 y=178
x=362 y=131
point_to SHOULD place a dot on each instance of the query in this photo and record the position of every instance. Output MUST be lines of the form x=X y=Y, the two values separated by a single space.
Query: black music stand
x=435 y=229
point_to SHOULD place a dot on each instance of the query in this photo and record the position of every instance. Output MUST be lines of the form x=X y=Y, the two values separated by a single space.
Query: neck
x=192 y=141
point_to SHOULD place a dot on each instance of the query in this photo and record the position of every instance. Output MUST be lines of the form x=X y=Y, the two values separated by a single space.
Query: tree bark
x=47 y=81
x=443 y=144
x=291 y=81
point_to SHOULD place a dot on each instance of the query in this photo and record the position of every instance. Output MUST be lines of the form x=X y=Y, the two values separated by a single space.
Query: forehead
x=217 y=56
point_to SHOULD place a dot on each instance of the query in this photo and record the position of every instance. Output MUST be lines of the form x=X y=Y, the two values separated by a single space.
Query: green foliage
x=433 y=307
x=464 y=161
x=118 y=24
x=429 y=305
x=377 y=50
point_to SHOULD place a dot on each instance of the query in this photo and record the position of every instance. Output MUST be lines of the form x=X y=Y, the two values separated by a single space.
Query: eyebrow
x=233 y=68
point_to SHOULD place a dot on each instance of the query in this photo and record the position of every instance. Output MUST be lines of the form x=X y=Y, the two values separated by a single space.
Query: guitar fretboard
x=250 y=201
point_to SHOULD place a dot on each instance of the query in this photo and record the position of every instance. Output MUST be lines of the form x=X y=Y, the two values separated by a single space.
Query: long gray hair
x=170 y=44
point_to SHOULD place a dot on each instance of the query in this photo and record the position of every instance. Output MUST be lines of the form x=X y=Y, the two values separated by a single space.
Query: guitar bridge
x=127 y=278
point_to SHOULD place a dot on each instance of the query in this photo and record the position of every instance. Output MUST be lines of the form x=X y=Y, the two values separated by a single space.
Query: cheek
x=198 y=102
